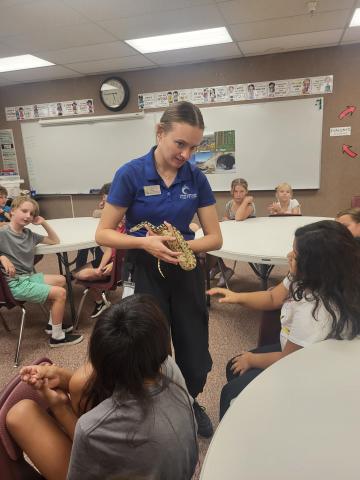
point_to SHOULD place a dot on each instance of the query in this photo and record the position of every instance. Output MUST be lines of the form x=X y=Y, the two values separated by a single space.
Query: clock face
x=114 y=93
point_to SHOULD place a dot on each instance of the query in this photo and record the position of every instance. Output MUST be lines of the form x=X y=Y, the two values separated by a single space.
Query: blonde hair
x=181 y=112
x=238 y=182
x=18 y=201
x=353 y=212
x=284 y=185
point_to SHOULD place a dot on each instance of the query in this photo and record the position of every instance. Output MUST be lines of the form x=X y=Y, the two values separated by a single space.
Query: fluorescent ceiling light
x=176 y=41
x=355 y=21
x=22 y=62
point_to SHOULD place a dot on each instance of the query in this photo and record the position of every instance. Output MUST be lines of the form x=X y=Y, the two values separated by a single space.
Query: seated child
x=320 y=299
x=97 y=252
x=17 y=247
x=239 y=208
x=126 y=413
x=89 y=273
x=351 y=219
x=4 y=209
x=284 y=204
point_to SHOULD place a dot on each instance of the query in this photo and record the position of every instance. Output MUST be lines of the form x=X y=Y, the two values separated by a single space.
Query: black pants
x=237 y=383
x=181 y=296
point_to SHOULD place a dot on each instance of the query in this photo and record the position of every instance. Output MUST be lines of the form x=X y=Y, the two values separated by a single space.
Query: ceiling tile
x=109 y=9
x=184 y=20
x=59 y=38
x=29 y=17
x=291 y=42
x=40 y=74
x=113 y=64
x=213 y=52
x=90 y=52
x=290 y=25
x=240 y=11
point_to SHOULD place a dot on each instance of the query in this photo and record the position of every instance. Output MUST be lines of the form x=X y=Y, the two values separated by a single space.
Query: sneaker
x=67 y=340
x=205 y=428
x=65 y=328
x=99 y=308
x=228 y=274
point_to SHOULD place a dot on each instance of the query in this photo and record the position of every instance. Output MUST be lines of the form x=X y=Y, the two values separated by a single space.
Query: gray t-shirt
x=19 y=248
x=115 y=441
x=231 y=215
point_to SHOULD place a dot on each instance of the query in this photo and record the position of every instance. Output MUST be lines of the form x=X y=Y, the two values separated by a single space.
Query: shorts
x=30 y=288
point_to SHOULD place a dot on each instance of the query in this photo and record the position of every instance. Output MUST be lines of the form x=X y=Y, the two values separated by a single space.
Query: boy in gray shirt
x=17 y=251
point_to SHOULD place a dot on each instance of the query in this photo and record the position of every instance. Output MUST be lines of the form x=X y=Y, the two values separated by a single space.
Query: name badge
x=152 y=190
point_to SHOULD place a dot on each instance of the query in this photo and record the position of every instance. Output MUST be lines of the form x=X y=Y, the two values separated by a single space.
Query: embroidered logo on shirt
x=185 y=193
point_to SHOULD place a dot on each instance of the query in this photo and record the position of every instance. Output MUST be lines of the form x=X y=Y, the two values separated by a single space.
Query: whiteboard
x=75 y=158
x=275 y=142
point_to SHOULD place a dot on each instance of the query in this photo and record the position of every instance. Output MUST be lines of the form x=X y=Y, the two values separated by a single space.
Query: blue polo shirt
x=138 y=186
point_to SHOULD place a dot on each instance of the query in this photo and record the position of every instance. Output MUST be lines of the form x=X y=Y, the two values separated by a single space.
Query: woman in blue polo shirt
x=163 y=186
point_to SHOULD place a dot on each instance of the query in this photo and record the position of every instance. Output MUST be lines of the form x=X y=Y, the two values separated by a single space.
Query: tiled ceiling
x=86 y=37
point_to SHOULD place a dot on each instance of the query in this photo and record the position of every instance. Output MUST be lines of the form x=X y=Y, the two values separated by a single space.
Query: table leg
x=262 y=271
x=64 y=261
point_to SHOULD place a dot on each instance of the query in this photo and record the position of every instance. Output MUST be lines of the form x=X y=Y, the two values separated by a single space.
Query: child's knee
x=19 y=413
x=62 y=281
x=59 y=293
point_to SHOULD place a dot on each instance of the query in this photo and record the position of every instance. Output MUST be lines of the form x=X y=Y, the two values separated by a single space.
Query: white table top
x=265 y=240
x=298 y=420
x=75 y=234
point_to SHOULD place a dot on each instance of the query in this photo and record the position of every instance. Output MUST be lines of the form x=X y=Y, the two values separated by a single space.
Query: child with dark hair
x=136 y=419
x=319 y=299
x=97 y=253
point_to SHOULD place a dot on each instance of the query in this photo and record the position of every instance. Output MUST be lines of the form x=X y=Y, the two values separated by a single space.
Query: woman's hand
x=8 y=266
x=228 y=295
x=241 y=363
x=155 y=245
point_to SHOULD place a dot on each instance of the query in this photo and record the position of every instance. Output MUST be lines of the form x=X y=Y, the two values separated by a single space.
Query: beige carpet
x=232 y=329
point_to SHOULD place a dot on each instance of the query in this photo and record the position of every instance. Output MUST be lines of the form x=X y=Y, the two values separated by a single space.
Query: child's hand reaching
x=228 y=295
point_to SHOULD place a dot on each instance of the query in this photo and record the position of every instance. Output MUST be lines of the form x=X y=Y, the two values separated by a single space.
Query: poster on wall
x=8 y=152
x=239 y=92
x=53 y=109
x=216 y=153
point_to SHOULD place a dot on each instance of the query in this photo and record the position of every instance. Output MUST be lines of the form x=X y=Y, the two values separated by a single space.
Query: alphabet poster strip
x=239 y=92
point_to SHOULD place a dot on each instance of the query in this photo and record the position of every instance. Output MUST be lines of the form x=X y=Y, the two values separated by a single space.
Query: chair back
x=6 y=298
x=355 y=201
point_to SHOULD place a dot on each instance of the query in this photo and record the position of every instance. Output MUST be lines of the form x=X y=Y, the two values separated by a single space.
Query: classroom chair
x=109 y=283
x=8 y=301
x=12 y=463
x=355 y=201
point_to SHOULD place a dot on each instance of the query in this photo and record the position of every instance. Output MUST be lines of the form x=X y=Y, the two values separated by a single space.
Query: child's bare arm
x=8 y=266
x=52 y=237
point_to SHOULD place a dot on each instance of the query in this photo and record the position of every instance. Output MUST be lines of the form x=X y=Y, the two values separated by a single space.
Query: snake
x=187 y=259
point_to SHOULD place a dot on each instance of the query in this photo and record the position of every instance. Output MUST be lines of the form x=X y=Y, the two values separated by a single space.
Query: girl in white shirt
x=285 y=204
x=320 y=299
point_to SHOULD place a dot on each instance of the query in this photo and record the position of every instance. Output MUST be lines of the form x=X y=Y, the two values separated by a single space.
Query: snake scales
x=187 y=259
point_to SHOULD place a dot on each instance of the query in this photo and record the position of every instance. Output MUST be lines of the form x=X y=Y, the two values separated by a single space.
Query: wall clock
x=114 y=93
